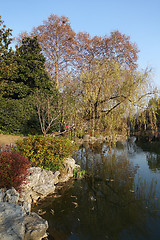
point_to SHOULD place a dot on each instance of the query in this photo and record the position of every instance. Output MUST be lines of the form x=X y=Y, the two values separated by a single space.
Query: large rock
x=69 y=166
x=16 y=223
x=11 y=222
x=40 y=183
x=35 y=227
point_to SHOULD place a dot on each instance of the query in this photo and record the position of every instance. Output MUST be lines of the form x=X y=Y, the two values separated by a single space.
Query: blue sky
x=139 y=19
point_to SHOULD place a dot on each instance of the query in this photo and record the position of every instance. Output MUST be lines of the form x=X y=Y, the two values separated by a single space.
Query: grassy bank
x=8 y=139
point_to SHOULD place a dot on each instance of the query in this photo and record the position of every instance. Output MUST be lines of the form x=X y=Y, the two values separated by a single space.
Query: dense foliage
x=22 y=72
x=56 y=76
x=13 y=169
x=18 y=116
x=46 y=152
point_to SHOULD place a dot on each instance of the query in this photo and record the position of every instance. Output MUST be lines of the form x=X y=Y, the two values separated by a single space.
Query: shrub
x=18 y=116
x=46 y=152
x=78 y=173
x=13 y=169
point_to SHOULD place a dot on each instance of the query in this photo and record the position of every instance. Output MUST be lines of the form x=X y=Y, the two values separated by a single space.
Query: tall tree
x=30 y=73
x=88 y=49
x=17 y=109
x=119 y=47
x=7 y=64
x=5 y=39
x=110 y=93
x=57 y=40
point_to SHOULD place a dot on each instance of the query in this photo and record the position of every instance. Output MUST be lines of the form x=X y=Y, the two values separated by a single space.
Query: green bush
x=18 y=116
x=79 y=173
x=46 y=152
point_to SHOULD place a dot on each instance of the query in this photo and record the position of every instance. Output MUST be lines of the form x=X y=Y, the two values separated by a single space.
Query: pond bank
x=17 y=220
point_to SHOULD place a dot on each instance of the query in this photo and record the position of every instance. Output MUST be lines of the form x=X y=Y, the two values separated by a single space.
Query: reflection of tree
x=109 y=204
x=153 y=161
x=153 y=154
x=118 y=203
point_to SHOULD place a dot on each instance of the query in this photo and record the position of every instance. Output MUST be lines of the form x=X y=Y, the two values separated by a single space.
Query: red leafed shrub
x=13 y=169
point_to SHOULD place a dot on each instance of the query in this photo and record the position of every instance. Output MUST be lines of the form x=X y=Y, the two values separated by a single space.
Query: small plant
x=46 y=152
x=13 y=169
x=78 y=173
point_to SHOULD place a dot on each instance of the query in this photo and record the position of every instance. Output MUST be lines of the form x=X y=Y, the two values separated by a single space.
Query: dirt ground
x=8 y=139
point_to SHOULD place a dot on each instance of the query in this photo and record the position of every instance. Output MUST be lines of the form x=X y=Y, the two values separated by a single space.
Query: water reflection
x=115 y=201
x=153 y=154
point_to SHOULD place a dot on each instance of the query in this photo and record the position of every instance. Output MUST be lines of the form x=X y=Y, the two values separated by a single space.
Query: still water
x=118 y=200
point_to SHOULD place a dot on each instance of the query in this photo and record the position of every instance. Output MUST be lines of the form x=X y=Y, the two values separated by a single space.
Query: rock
x=35 y=227
x=100 y=138
x=26 y=206
x=11 y=222
x=16 y=219
x=55 y=176
x=132 y=139
x=69 y=166
x=39 y=176
x=17 y=223
x=44 y=189
x=40 y=183
x=86 y=138
x=93 y=139
x=11 y=196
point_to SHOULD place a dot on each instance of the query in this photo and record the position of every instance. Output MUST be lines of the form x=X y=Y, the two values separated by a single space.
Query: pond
x=118 y=200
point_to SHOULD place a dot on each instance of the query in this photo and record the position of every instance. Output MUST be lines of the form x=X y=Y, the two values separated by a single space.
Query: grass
x=8 y=139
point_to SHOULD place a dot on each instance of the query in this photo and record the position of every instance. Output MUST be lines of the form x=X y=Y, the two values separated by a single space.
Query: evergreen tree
x=21 y=74
x=30 y=74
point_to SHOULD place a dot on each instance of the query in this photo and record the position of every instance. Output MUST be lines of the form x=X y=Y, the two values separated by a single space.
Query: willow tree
x=111 y=94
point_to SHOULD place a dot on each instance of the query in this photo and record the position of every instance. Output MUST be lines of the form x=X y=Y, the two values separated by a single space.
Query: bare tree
x=47 y=110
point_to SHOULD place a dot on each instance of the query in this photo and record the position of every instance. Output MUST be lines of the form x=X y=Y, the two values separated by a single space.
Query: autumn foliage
x=13 y=169
x=95 y=79
x=46 y=152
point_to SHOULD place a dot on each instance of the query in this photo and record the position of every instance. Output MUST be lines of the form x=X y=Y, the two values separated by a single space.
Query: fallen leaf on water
x=40 y=212
x=57 y=196
x=73 y=197
x=92 y=198
x=76 y=204
x=52 y=211
x=132 y=191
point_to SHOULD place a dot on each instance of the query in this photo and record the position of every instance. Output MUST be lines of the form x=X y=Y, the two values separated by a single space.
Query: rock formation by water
x=17 y=222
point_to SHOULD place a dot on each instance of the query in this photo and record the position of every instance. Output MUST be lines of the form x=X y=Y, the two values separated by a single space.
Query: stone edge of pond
x=16 y=219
